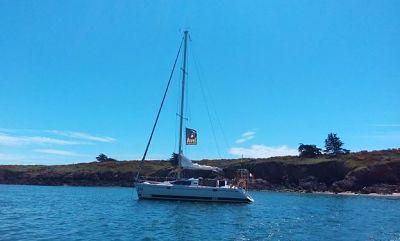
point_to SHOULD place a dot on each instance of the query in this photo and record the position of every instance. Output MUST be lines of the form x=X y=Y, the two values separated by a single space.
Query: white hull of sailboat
x=168 y=191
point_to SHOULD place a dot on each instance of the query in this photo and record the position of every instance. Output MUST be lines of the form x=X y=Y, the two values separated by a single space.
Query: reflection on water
x=81 y=213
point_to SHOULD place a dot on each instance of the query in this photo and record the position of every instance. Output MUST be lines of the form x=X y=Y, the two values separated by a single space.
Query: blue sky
x=82 y=77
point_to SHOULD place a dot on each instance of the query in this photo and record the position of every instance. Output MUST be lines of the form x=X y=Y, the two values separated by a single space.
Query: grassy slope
x=353 y=161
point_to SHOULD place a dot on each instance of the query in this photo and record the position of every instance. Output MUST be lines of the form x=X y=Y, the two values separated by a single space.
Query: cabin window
x=187 y=183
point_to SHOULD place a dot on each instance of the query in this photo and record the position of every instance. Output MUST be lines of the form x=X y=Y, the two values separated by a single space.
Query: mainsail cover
x=188 y=164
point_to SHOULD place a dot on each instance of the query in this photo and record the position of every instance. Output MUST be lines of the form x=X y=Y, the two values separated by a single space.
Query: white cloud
x=10 y=157
x=83 y=136
x=246 y=136
x=383 y=136
x=57 y=152
x=262 y=151
x=12 y=140
x=242 y=140
x=248 y=133
x=7 y=130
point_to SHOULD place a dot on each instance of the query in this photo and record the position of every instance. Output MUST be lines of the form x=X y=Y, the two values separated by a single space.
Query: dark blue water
x=95 y=213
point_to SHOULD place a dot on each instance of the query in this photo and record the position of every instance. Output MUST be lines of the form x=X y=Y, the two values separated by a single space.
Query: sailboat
x=187 y=189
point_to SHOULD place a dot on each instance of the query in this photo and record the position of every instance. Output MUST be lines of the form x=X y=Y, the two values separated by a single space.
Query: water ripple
x=90 y=213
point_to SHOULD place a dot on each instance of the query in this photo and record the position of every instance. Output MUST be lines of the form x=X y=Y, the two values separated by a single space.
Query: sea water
x=101 y=213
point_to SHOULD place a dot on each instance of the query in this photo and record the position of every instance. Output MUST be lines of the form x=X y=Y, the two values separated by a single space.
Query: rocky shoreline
x=312 y=187
x=359 y=173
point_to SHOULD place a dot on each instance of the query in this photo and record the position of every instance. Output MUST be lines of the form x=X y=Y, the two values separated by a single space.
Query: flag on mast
x=191 y=136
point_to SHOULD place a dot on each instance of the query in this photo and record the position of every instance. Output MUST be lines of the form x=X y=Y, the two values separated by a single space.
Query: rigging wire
x=175 y=131
x=159 y=111
x=187 y=104
x=188 y=113
x=206 y=104
x=176 y=120
x=204 y=82
x=216 y=115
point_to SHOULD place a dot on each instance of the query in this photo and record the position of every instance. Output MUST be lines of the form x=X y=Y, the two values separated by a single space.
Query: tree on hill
x=104 y=158
x=309 y=151
x=333 y=145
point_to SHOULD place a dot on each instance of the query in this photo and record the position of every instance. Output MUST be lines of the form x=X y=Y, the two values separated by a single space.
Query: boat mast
x=182 y=102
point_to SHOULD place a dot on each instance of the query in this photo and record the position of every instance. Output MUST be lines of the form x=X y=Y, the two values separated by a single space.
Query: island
x=362 y=172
